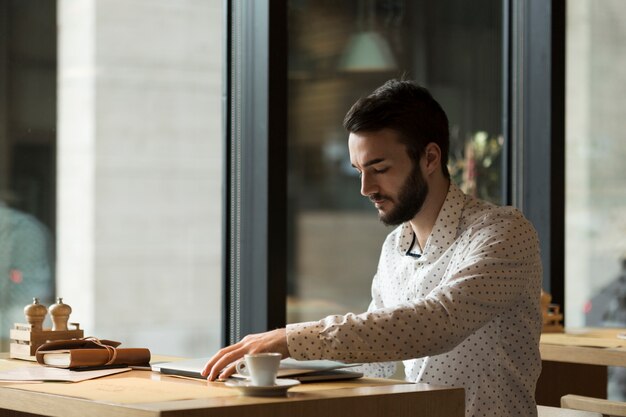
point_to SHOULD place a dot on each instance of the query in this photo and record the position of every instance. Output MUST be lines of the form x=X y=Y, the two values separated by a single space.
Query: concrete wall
x=595 y=151
x=139 y=171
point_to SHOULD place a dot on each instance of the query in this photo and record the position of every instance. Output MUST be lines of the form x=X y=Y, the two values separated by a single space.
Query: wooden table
x=575 y=362
x=363 y=397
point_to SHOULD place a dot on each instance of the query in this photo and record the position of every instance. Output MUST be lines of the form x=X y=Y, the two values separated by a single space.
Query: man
x=456 y=294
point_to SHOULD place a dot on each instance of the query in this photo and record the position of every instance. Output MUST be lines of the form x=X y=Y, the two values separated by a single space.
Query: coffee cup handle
x=242 y=368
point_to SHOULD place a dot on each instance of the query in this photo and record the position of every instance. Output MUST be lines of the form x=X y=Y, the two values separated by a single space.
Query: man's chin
x=384 y=215
x=395 y=217
x=387 y=220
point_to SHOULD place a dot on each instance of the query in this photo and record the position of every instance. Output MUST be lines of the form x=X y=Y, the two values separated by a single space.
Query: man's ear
x=432 y=158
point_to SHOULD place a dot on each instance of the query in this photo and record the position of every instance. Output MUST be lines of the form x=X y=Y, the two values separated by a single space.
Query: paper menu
x=6 y=364
x=43 y=373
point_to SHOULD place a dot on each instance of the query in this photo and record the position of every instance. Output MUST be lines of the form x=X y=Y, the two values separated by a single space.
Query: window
x=292 y=205
x=133 y=171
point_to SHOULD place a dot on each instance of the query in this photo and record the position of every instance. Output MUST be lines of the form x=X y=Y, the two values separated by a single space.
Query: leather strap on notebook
x=110 y=349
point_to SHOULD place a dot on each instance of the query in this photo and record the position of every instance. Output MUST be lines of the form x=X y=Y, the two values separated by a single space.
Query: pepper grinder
x=35 y=314
x=60 y=314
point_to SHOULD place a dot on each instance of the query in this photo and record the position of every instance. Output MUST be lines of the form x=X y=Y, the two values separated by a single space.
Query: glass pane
x=340 y=51
x=595 y=283
x=134 y=129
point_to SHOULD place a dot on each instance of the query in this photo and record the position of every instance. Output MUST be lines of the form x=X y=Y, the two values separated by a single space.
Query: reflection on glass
x=595 y=257
x=26 y=265
x=452 y=47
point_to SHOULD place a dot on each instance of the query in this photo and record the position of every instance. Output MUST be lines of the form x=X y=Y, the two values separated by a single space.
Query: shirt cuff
x=303 y=340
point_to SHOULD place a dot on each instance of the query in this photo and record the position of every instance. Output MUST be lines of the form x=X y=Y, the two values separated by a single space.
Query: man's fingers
x=209 y=365
x=221 y=364
x=228 y=371
x=215 y=358
x=224 y=361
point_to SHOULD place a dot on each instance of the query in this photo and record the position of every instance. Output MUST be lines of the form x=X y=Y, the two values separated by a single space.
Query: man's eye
x=381 y=170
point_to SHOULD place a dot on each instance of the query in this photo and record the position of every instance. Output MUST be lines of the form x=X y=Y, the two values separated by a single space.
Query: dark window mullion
x=255 y=270
x=537 y=127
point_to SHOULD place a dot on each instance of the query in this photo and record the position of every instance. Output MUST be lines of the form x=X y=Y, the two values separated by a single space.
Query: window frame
x=536 y=127
x=255 y=253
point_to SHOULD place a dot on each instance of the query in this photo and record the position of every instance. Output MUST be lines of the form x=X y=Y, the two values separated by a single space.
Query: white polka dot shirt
x=465 y=312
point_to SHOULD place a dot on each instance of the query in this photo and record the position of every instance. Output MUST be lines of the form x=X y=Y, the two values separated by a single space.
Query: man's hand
x=223 y=363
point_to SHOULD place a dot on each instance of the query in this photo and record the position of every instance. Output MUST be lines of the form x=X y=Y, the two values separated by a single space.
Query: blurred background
x=340 y=51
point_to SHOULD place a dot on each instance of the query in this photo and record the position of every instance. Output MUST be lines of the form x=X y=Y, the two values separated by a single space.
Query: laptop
x=304 y=371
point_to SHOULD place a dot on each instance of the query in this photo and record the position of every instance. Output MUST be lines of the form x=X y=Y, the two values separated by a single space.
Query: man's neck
x=423 y=223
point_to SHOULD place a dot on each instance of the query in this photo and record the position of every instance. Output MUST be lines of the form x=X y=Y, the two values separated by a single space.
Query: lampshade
x=367 y=51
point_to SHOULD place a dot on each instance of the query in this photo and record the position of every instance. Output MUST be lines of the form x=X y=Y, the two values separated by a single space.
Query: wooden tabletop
x=136 y=394
x=592 y=346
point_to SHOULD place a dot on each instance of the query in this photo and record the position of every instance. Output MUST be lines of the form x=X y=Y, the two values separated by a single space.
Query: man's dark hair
x=408 y=109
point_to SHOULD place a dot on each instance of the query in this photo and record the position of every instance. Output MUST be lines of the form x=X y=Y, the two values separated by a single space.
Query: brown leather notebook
x=81 y=353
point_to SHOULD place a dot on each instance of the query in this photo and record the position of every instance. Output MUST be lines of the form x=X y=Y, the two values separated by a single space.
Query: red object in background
x=587 y=307
x=15 y=275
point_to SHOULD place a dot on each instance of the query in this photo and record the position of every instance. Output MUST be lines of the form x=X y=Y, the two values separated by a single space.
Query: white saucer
x=277 y=390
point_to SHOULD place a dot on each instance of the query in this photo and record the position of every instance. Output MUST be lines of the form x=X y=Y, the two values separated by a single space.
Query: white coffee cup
x=260 y=367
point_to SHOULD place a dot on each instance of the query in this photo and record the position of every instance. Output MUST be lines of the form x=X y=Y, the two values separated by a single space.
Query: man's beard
x=410 y=199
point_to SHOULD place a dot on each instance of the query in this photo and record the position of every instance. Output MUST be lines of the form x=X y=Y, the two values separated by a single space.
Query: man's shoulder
x=484 y=216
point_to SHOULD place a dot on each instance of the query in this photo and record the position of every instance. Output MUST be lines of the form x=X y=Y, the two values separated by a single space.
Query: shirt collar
x=445 y=229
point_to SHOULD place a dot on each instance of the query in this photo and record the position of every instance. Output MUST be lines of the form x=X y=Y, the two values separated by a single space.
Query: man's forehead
x=368 y=146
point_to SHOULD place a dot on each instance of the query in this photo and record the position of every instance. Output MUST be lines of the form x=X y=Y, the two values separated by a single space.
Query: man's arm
x=222 y=364
x=497 y=272
x=499 y=269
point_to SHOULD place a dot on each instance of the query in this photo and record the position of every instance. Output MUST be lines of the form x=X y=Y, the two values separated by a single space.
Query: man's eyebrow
x=371 y=162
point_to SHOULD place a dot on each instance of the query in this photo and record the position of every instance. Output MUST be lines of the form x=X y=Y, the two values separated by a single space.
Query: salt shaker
x=60 y=314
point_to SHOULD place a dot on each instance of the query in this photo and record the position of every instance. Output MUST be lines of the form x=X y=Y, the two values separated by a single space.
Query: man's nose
x=368 y=185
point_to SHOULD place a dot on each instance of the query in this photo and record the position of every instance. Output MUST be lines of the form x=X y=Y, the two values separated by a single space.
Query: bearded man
x=456 y=293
